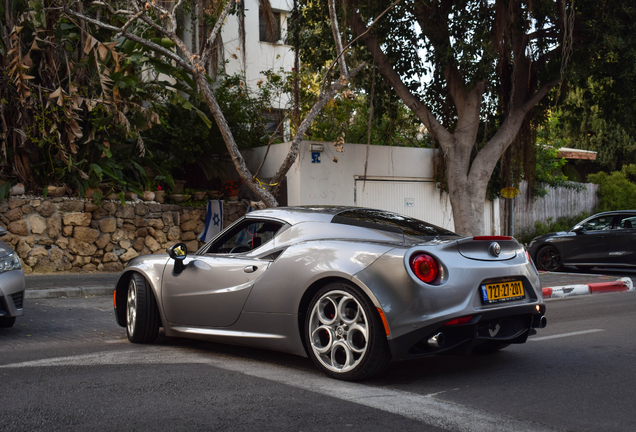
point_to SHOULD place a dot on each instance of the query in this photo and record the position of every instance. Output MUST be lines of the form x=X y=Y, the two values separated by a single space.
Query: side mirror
x=3 y=231
x=178 y=252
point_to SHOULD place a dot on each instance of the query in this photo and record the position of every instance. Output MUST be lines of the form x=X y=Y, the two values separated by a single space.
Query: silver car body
x=259 y=298
x=11 y=285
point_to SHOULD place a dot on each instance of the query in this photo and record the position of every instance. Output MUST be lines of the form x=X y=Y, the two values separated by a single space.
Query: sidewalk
x=69 y=285
x=555 y=285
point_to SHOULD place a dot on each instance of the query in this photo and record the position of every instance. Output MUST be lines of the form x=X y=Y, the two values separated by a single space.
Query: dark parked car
x=603 y=240
x=11 y=284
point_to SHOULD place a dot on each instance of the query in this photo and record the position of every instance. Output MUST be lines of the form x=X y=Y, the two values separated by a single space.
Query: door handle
x=250 y=269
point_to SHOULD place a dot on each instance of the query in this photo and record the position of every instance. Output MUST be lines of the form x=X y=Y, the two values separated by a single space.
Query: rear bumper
x=509 y=325
x=11 y=293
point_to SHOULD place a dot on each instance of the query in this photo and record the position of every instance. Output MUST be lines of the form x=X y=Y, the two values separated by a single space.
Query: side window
x=626 y=222
x=599 y=223
x=269 y=25
x=248 y=235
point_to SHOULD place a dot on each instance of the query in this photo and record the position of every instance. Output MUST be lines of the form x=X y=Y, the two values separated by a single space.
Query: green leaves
x=616 y=191
x=98 y=171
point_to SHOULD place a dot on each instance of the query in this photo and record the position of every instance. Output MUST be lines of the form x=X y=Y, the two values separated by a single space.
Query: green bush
x=563 y=223
x=616 y=191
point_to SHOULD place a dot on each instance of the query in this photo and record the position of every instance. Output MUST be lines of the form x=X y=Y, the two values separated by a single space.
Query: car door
x=622 y=240
x=590 y=244
x=214 y=285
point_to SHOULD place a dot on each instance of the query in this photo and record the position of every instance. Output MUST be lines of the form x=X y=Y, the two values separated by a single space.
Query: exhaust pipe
x=437 y=341
x=543 y=322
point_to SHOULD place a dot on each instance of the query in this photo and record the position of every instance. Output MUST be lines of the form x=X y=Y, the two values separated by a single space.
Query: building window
x=268 y=25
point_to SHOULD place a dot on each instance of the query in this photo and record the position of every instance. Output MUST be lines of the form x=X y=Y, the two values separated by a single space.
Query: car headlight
x=10 y=262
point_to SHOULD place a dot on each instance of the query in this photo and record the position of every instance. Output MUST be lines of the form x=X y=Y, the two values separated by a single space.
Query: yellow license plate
x=504 y=291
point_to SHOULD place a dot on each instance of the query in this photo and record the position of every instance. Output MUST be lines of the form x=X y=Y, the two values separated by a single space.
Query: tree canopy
x=480 y=75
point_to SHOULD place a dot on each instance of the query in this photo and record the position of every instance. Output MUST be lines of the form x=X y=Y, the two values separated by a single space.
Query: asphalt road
x=67 y=365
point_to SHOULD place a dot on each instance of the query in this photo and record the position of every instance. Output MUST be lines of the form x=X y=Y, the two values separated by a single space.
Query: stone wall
x=65 y=234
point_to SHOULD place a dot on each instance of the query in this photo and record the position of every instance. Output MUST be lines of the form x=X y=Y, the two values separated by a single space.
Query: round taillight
x=425 y=267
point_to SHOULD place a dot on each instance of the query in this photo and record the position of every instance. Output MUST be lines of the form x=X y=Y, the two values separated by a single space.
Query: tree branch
x=433 y=22
x=129 y=22
x=111 y=9
x=336 y=37
x=304 y=125
x=394 y=79
x=542 y=33
x=207 y=50
x=173 y=15
x=530 y=103
x=495 y=147
x=324 y=81
x=135 y=38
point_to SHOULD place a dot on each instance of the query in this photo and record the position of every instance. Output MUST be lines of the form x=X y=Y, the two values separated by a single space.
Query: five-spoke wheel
x=345 y=337
x=549 y=259
x=142 y=314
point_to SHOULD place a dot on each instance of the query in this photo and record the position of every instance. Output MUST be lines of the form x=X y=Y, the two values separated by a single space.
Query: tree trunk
x=237 y=157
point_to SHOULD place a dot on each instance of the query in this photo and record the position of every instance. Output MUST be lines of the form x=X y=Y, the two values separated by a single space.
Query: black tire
x=336 y=342
x=549 y=259
x=489 y=347
x=6 y=322
x=142 y=314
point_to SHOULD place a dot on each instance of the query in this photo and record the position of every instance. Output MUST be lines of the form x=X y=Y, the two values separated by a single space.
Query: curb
x=622 y=284
x=70 y=291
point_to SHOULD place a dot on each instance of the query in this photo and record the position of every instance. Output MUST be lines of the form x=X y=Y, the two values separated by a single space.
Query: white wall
x=395 y=175
x=331 y=183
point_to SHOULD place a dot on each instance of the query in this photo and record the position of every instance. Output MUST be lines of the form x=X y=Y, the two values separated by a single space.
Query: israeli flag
x=213 y=220
x=250 y=230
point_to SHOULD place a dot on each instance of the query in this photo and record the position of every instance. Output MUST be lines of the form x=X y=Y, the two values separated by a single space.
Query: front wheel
x=142 y=314
x=344 y=334
x=549 y=259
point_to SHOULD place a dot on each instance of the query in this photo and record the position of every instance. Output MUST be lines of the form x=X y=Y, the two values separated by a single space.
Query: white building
x=261 y=53
x=398 y=179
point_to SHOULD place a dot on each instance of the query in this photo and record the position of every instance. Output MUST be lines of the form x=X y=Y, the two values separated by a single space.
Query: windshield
x=388 y=221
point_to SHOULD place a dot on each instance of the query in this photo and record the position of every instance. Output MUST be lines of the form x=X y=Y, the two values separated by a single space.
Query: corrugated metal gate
x=415 y=198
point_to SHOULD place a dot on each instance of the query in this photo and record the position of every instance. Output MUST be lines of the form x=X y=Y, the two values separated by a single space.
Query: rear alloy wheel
x=142 y=315
x=549 y=259
x=6 y=322
x=344 y=333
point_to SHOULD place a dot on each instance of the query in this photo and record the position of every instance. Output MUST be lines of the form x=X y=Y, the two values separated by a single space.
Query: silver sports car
x=350 y=287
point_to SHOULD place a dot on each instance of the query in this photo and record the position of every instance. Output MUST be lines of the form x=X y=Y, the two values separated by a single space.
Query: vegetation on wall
x=74 y=105
x=617 y=190
x=83 y=108
x=186 y=140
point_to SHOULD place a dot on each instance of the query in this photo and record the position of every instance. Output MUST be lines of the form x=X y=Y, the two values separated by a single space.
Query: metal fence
x=558 y=202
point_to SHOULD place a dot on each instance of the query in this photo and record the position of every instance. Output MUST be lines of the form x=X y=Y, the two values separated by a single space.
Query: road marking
x=565 y=335
x=423 y=408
